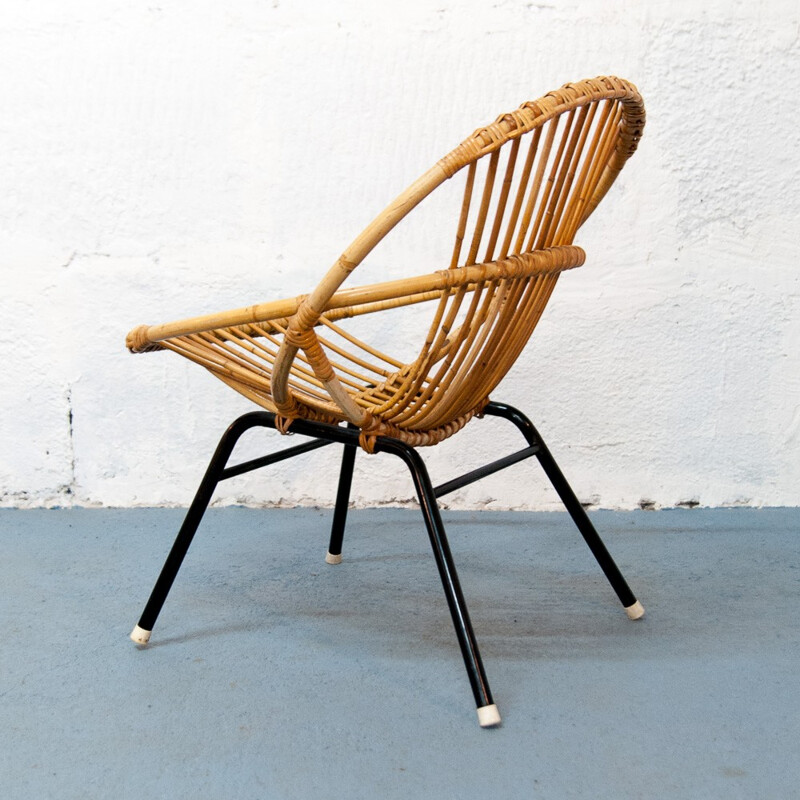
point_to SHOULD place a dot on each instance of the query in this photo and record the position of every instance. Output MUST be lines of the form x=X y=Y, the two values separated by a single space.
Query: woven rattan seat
x=295 y=358
x=528 y=182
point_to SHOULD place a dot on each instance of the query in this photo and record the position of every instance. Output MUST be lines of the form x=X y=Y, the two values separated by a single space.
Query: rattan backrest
x=531 y=179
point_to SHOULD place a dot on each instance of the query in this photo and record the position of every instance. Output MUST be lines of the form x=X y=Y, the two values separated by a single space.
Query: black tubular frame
x=322 y=435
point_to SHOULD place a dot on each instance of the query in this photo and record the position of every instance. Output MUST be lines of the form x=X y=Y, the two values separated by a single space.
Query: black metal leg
x=573 y=506
x=334 y=555
x=216 y=467
x=324 y=434
x=586 y=528
x=487 y=711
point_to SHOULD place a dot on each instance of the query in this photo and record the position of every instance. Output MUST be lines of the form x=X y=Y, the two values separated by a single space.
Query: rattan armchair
x=530 y=179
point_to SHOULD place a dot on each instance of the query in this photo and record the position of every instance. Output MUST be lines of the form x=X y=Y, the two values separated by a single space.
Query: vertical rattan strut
x=529 y=181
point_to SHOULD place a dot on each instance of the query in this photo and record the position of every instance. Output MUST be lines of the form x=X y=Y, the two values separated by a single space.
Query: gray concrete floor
x=274 y=675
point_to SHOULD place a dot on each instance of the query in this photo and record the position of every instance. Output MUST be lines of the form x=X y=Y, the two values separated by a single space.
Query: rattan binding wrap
x=531 y=179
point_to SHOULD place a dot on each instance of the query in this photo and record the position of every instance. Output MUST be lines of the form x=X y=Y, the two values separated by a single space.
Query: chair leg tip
x=488 y=716
x=332 y=558
x=636 y=611
x=140 y=636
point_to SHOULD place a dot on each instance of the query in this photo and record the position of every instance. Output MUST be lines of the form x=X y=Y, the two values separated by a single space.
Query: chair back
x=530 y=180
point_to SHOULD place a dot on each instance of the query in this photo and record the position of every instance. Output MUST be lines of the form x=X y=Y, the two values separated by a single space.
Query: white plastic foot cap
x=330 y=558
x=140 y=635
x=636 y=611
x=488 y=716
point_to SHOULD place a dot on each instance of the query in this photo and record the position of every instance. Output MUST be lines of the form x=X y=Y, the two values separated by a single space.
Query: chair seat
x=399 y=398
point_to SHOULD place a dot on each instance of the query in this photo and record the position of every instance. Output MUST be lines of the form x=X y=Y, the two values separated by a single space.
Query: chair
x=530 y=180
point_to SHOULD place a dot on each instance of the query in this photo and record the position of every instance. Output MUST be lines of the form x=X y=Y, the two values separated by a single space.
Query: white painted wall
x=163 y=159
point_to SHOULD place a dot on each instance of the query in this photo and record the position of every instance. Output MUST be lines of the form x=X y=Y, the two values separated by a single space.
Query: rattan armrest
x=365 y=299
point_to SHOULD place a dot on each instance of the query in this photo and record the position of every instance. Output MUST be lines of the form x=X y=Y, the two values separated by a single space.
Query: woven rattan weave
x=531 y=179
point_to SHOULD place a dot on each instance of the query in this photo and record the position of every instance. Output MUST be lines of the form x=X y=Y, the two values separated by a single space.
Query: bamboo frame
x=527 y=198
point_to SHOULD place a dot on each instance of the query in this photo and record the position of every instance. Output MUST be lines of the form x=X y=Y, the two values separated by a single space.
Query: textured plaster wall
x=164 y=159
